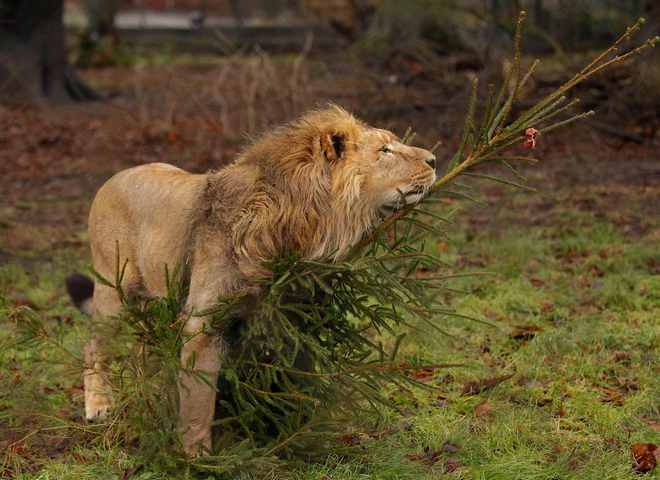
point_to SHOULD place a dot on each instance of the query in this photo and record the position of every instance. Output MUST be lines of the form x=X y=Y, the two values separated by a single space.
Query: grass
x=574 y=308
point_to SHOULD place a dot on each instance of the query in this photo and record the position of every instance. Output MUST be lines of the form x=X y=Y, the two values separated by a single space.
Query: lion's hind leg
x=98 y=389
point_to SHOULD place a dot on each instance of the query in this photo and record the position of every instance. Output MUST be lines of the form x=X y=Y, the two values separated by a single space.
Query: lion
x=314 y=186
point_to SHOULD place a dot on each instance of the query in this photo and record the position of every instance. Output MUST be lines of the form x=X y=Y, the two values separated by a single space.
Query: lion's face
x=391 y=174
x=397 y=174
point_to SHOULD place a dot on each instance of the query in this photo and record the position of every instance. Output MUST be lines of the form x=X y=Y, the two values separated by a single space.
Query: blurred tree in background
x=33 y=53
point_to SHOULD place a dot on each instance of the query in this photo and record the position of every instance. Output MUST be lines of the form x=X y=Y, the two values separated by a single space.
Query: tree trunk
x=33 y=56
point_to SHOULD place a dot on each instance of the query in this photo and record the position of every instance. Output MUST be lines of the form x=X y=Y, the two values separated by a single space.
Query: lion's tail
x=81 y=290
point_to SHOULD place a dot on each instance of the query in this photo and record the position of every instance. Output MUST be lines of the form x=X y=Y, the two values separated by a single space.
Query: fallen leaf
x=561 y=412
x=49 y=140
x=653 y=265
x=611 y=396
x=525 y=332
x=484 y=409
x=423 y=375
x=451 y=465
x=537 y=282
x=25 y=302
x=623 y=357
x=79 y=458
x=628 y=384
x=478 y=386
x=350 y=439
x=442 y=246
x=547 y=306
x=583 y=281
x=429 y=457
x=645 y=456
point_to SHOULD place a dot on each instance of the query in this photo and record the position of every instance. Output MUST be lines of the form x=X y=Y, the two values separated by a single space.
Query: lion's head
x=323 y=181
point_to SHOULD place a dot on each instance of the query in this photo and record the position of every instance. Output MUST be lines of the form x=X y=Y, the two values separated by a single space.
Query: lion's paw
x=97 y=407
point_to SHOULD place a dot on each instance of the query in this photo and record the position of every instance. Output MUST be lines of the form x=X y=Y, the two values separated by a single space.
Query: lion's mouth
x=419 y=190
x=412 y=196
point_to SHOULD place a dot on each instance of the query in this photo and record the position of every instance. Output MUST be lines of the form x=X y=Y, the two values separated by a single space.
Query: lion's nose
x=430 y=160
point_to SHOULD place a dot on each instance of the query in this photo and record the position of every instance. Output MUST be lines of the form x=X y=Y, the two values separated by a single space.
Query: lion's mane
x=293 y=190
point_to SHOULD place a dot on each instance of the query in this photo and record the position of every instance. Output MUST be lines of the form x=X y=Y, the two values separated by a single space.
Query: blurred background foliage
x=447 y=25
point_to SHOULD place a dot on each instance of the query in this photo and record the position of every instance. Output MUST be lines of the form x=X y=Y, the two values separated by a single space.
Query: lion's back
x=146 y=212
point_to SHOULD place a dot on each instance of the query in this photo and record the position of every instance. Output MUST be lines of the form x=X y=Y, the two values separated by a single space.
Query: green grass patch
x=573 y=308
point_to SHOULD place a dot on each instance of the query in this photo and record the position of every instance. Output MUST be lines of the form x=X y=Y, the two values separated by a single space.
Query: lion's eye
x=385 y=149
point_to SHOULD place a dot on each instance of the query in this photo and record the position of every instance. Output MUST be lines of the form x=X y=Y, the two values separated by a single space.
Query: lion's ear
x=333 y=146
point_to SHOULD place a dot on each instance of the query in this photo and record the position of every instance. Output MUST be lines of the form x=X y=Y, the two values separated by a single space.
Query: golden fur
x=314 y=186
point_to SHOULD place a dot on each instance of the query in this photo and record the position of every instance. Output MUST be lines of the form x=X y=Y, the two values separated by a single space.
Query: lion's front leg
x=200 y=360
x=211 y=278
